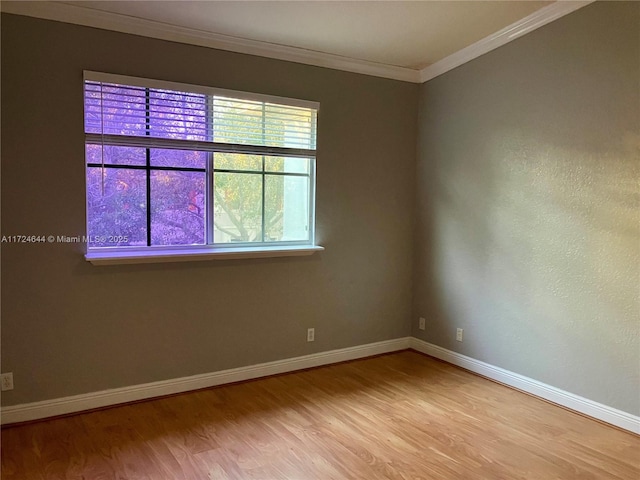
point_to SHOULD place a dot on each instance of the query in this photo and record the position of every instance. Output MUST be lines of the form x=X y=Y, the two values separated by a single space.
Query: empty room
x=300 y=240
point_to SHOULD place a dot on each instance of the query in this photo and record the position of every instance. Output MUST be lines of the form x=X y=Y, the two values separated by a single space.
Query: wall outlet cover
x=6 y=381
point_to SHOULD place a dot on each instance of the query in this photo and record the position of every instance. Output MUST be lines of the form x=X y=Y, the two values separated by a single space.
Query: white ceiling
x=404 y=34
x=396 y=39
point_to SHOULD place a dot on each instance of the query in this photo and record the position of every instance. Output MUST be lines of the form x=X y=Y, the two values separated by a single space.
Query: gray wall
x=527 y=232
x=69 y=327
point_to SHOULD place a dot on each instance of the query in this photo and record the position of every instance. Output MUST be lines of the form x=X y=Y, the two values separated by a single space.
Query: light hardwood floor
x=398 y=416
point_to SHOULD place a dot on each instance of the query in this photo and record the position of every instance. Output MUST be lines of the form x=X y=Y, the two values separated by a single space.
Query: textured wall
x=528 y=206
x=69 y=327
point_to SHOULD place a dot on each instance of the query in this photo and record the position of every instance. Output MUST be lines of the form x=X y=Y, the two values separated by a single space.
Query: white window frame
x=210 y=250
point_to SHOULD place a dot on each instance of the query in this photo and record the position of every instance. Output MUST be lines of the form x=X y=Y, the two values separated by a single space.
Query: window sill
x=198 y=254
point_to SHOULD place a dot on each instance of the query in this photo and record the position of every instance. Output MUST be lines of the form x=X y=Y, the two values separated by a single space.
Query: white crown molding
x=555 y=395
x=89 y=17
x=61 y=406
x=69 y=13
x=526 y=25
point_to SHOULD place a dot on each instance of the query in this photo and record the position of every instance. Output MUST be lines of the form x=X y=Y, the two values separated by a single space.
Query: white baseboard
x=569 y=400
x=77 y=403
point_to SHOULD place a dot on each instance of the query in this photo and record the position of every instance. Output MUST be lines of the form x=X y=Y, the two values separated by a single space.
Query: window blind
x=131 y=109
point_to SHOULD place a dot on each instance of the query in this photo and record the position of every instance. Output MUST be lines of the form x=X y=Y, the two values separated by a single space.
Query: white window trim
x=188 y=253
x=165 y=255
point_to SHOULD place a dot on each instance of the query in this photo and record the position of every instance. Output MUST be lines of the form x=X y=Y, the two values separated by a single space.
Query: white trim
x=523 y=26
x=76 y=14
x=194 y=254
x=569 y=400
x=77 y=403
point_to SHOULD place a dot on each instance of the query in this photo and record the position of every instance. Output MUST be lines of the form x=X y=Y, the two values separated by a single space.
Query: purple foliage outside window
x=117 y=196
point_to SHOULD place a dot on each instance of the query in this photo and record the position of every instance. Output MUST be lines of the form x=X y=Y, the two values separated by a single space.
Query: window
x=188 y=168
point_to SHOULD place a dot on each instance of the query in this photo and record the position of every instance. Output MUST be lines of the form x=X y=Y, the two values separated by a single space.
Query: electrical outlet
x=311 y=334
x=422 y=324
x=459 y=333
x=6 y=381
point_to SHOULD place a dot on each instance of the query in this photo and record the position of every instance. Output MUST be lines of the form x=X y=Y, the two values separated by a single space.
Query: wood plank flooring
x=398 y=416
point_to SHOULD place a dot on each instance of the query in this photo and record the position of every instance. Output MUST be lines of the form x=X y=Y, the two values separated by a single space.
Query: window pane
x=177 y=208
x=114 y=109
x=119 y=215
x=116 y=155
x=288 y=126
x=161 y=157
x=122 y=110
x=237 y=161
x=287 y=164
x=286 y=208
x=237 y=121
x=252 y=122
x=174 y=114
x=237 y=207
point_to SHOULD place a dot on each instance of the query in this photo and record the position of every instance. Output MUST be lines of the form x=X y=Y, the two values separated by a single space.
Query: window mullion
x=210 y=197
x=147 y=129
x=263 y=176
x=263 y=198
